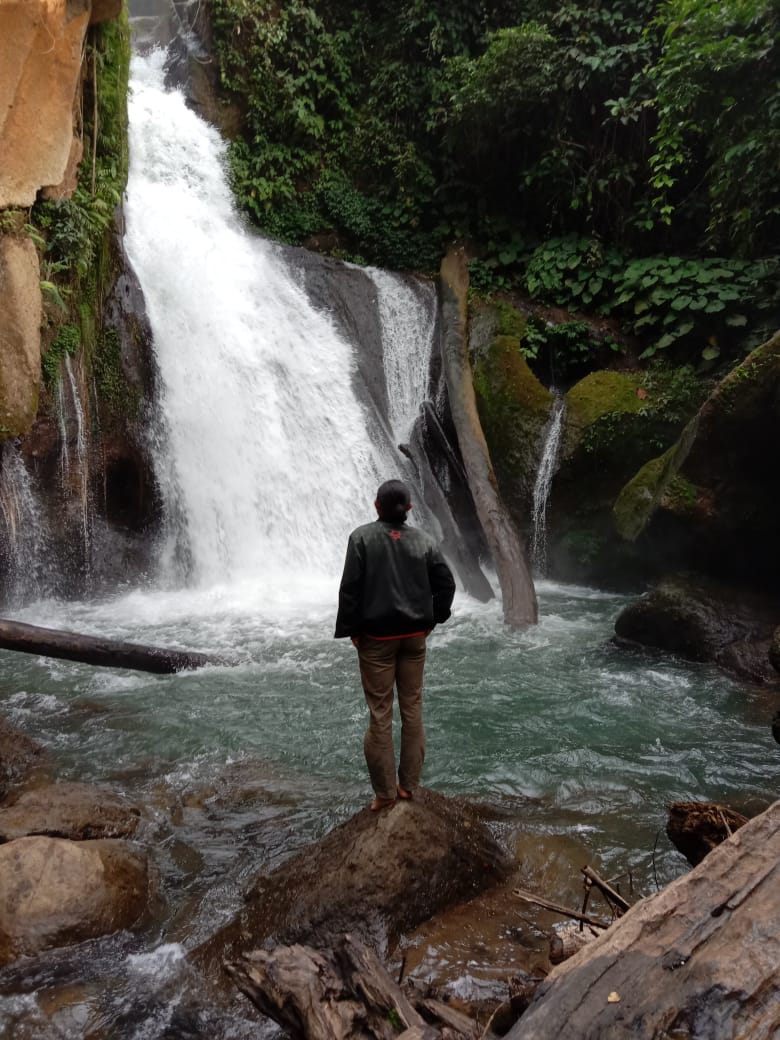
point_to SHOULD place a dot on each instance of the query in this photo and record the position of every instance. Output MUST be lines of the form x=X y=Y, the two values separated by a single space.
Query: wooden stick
x=528 y=897
x=607 y=890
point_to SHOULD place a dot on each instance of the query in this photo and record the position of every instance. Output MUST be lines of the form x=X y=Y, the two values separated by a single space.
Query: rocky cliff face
x=41 y=57
x=75 y=482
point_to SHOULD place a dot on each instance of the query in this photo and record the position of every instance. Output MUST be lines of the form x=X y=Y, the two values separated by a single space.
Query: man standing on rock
x=395 y=588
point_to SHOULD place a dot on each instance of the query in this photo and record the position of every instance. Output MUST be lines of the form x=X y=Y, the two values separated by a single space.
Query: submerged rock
x=704 y=623
x=69 y=810
x=18 y=755
x=55 y=892
x=374 y=876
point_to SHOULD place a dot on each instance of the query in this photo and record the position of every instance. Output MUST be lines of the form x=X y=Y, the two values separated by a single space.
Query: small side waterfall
x=22 y=517
x=553 y=432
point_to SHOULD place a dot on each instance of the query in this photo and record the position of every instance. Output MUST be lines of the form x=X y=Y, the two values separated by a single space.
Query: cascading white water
x=544 y=477
x=22 y=516
x=407 y=312
x=264 y=452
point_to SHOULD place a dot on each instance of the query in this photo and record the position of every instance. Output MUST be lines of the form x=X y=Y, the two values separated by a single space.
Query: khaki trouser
x=385 y=663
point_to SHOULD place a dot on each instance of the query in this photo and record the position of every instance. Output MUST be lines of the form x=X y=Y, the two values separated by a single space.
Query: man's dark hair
x=392 y=501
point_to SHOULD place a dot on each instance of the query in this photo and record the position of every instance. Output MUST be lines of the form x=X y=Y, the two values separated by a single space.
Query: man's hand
x=355 y=640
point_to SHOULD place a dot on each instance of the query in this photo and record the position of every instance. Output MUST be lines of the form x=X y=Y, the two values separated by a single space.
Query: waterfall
x=22 y=516
x=547 y=467
x=263 y=454
x=407 y=312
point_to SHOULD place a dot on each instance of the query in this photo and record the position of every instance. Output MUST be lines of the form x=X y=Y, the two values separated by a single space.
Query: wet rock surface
x=55 y=892
x=19 y=754
x=79 y=812
x=374 y=876
x=705 y=622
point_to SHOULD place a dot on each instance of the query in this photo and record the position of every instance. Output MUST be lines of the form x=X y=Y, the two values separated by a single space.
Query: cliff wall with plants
x=72 y=375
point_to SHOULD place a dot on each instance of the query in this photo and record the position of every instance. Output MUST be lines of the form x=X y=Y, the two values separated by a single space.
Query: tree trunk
x=514 y=575
x=108 y=653
x=701 y=959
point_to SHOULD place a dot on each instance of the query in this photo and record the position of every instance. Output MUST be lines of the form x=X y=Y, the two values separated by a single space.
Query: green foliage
x=110 y=382
x=67 y=341
x=605 y=157
x=710 y=127
x=570 y=345
x=71 y=232
x=667 y=300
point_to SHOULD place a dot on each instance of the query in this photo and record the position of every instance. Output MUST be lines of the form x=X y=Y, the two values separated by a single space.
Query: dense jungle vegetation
x=615 y=158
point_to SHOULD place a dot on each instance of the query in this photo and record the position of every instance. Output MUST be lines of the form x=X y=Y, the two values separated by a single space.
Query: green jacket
x=395 y=582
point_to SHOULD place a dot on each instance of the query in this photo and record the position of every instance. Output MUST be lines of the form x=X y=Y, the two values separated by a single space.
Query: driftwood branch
x=546 y=904
x=614 y=897
x=340 y=994
x=95 y=650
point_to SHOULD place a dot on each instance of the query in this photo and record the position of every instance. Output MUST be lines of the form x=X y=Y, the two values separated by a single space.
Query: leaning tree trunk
x=699 y=960
x=514 y=575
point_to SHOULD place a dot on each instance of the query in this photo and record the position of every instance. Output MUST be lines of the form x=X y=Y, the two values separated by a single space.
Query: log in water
x=107 y=653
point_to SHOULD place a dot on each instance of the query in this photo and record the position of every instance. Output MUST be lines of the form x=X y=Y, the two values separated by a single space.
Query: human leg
x=378 y=675
x=409 y=678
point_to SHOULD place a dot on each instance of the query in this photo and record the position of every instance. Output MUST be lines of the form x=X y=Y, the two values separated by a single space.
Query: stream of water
x=266 y=462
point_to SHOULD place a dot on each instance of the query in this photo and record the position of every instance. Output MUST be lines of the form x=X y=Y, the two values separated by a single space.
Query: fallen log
x=339 y=994
x=96 y=650
x=699 y=959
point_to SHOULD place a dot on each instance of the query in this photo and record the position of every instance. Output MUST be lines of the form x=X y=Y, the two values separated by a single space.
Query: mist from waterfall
x=263 y=452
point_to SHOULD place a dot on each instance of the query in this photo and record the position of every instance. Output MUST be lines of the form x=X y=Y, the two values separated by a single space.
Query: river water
x=267 y=455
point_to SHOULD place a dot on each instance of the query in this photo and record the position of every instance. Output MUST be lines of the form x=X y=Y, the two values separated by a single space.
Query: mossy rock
x=715 y=492
x=596 y=397
x=513 y=407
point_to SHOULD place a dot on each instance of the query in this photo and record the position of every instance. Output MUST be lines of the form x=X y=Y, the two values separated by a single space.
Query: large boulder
x=69 y=810
x=19 y=754
x=55 y=892
x=704 y=622
x=375 y=876
x=41 y=47
x=20 y=319
x=615 y=421
x=713 y=495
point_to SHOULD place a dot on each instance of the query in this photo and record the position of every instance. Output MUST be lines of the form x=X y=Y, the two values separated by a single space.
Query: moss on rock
x=513 y=405
x=714 y=484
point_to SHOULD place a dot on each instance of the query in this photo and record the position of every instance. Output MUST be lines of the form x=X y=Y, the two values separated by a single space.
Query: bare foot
x=381 y=803
x=403 y=794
